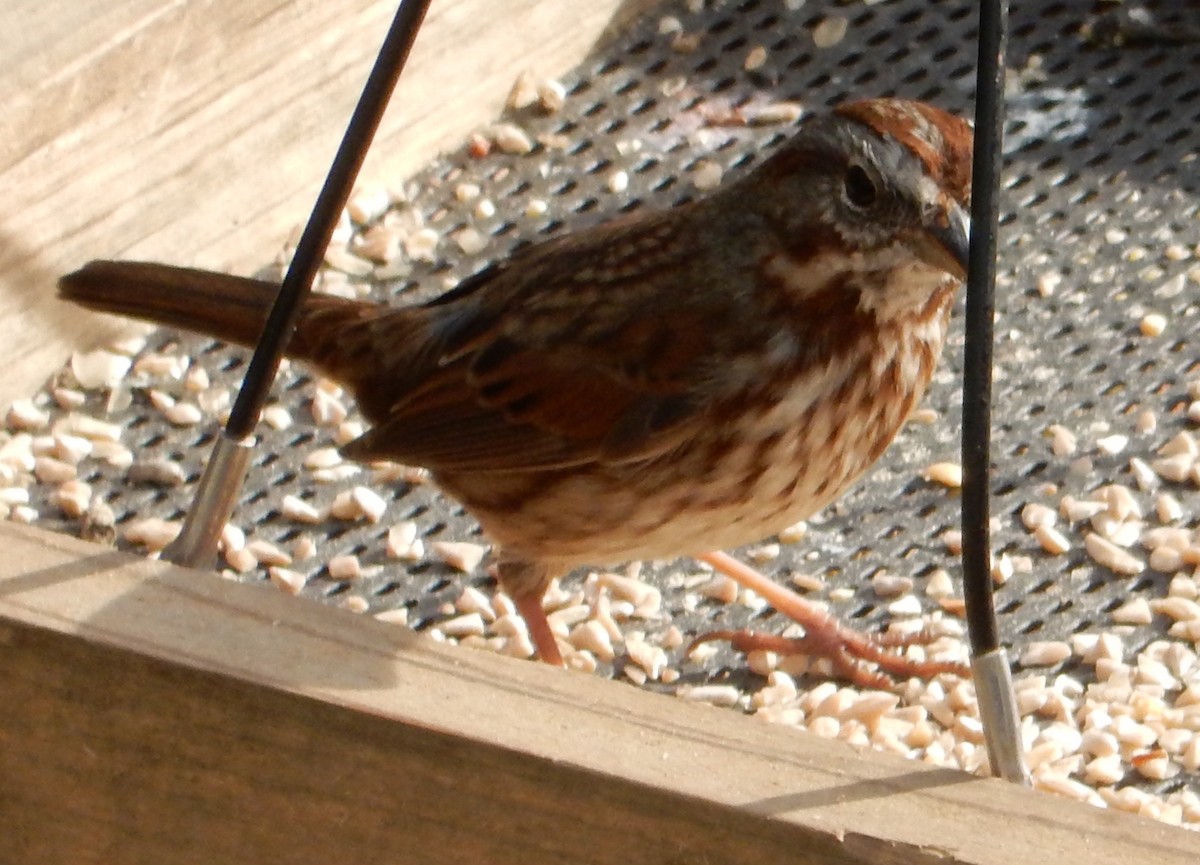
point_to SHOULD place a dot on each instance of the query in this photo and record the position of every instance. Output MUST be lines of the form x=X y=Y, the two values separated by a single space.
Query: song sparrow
x=668 y=383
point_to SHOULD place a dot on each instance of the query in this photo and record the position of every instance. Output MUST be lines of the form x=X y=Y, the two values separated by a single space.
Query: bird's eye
x=860 y=188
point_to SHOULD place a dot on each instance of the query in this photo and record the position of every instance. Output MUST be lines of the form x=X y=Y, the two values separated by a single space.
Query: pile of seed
x=1096 y=506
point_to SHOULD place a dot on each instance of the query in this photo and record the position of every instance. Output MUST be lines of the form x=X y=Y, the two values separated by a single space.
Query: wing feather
x=565 y=357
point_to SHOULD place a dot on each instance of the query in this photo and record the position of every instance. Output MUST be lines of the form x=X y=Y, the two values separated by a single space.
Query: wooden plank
x=199 y=132
x=154 y=714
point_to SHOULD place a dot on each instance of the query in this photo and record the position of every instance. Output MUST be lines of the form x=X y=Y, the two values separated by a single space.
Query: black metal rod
x=980 y=307
x=224 y=474
x=339 y=183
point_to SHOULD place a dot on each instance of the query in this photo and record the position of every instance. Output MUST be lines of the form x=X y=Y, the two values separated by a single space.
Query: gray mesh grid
x=1101 y=140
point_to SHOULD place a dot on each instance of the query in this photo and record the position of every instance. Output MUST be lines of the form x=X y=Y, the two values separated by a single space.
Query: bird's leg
x=530 y=608
x=825 y=637
x=526 y=584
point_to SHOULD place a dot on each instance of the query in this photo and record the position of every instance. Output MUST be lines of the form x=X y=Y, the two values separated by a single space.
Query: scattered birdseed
x=947 y=474
x=1052 y=540
x=706 y=174
x=939 y=584
x=240 y=560
x=403 y=543
x=460 y=555
x=478 y=145
x=1108 y=554
x=348 y=262
x=398 y=616
x=794 y=533
x=358 y=503
x=295 y=508
x=470 y=624
x=830 y=31
x=232 y=537
x=721 y=589
x=669 y=25
x=1143 y=475
x=24 y=415
x=422 y=244
x=267 y=553
x=379 y=244
x=277 y=417
x=591 y=636
x=763 y=553
x=524 y=92
x=152 y=533
x=685 y=43
x=367 y=205
x=891 y=585
x=909 y=605
x=1048 y=282
x=88 y=427
x=1153 y=324
x=99 y=369
x=952 y=538
x=472 y=600
x=551 y=95
x=1035 y=515
x=1177 y=467
x=303 y=549
x=466 y=191
x=1182 y=444
x=51 y=471
x=23 y=514
x=73 y=498
x=1044 y=654
x=470 y=241
x=1063 y=441
x=716 y=695
x=68 y=398
x=511 y=139
x=755 y=58
x=290 y=581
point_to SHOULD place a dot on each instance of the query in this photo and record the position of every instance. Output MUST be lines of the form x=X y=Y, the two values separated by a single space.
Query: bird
x=669 y=383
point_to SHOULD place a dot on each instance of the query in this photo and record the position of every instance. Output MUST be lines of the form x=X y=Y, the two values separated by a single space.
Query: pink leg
x=530 y=608
x=825 y=637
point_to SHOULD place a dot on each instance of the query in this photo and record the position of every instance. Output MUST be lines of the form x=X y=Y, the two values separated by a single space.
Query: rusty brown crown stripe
x=942 y=141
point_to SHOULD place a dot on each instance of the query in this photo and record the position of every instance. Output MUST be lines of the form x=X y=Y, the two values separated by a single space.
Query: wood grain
x=154 y=714
x=199 y=132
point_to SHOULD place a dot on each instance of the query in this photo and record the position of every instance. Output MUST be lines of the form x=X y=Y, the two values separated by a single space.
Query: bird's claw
x=865 y=660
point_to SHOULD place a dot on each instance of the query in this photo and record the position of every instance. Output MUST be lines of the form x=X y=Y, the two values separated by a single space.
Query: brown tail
x=366 y=346
x=230 y=308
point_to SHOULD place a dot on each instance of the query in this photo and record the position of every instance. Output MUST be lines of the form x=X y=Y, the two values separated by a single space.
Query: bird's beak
x=944 y=242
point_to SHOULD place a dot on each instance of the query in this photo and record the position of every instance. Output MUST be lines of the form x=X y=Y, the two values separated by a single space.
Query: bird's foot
x=866 y=660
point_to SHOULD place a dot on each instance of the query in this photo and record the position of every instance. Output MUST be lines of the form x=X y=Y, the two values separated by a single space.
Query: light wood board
x=199 y=132
x=155 y=714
